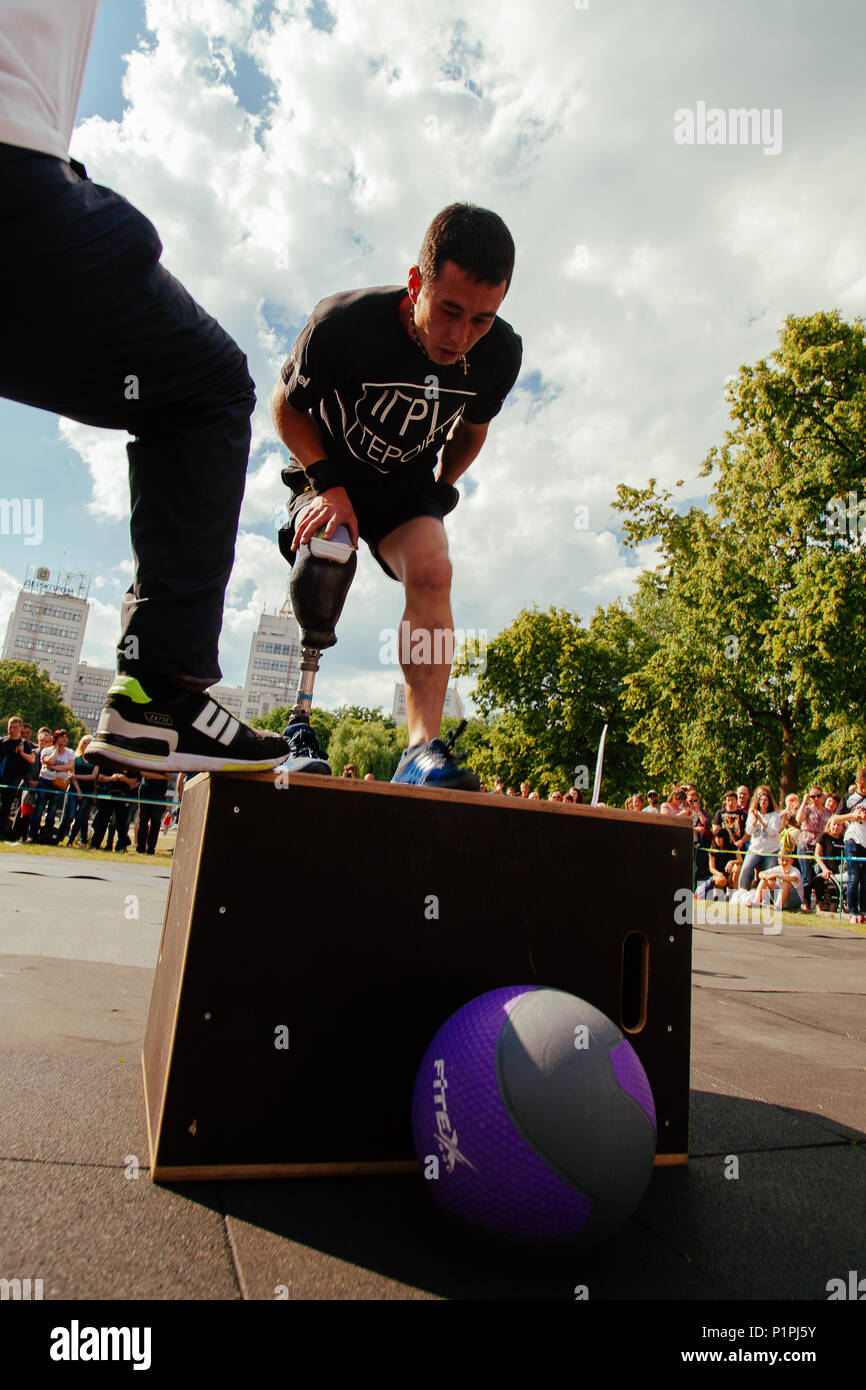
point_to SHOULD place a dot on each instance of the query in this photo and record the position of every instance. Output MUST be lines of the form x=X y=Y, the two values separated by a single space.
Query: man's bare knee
x=429 y=574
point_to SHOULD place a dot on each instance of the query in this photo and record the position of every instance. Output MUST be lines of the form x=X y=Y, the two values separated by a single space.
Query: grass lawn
x=736 y=915
x=161 y=856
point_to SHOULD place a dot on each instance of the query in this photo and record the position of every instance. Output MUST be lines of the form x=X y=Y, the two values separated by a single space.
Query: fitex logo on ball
x=446 y=1137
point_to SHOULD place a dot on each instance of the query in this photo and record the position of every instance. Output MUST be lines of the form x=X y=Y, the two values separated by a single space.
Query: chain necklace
x=461 y=360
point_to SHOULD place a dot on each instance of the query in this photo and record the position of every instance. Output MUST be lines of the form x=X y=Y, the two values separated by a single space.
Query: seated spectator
x=829 y=857
x=652 y=807
x=637 y=802
x=555 y=796
x=789 y=842
x=763 y=825
x=724 y=866
x=789 y=812
x=350 y=770
x=785 y=881
x=812 y=819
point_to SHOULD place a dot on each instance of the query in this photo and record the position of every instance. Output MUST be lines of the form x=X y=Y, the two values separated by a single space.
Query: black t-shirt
x=383 y=407
x=14 y=768
x=720 y=859
x=119 y=791
x=831 y=850
x=153 y=789
x=732 y=821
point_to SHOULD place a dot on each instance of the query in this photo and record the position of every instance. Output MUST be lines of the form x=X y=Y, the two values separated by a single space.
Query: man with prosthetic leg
x=383 y=387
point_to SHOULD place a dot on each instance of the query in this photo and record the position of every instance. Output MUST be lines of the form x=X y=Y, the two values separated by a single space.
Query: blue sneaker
x=431 y=765
x=305 y=755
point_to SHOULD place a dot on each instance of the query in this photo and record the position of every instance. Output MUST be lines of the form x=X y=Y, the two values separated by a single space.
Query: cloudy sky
x=286 y=150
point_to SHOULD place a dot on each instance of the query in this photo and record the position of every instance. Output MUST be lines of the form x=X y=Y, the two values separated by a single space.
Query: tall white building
x=274 y=665
x=87 y=692
x=47 y=624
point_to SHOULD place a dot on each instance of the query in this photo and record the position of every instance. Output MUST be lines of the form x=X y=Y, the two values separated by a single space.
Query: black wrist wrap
x=323 y=475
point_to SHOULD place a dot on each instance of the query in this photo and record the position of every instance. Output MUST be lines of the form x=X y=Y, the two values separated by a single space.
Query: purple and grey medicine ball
x=533 y=1120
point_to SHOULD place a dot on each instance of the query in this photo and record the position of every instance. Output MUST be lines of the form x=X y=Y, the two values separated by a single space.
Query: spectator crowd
x=50 y=794
x=804 y=854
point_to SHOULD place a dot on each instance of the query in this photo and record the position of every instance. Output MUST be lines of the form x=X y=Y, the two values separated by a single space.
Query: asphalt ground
x=770 y=1209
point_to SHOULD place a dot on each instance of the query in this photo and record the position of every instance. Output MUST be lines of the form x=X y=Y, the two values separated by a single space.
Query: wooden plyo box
x=318 y=934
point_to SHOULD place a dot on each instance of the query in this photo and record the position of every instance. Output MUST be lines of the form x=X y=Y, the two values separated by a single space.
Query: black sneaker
x=431 y=765
x=305 y=755
x=188 y=733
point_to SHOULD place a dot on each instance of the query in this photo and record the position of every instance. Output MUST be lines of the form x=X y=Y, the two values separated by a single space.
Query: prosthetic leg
x=322 y=573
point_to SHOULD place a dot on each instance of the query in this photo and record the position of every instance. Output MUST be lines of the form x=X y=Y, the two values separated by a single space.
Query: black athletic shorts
x=381 y=509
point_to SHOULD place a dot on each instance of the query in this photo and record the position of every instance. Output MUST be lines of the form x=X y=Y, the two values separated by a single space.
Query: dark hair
x=759 y=792
x=59 y=733
x=475 y=239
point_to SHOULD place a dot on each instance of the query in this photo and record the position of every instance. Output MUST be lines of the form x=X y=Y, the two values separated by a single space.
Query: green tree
x=28 y=691
x=552 y=685
x=761 y=664
x=365 y=714
x=369 y=744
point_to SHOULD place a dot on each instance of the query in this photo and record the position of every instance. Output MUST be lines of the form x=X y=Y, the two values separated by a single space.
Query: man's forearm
x=461 y=449
x=299 y=432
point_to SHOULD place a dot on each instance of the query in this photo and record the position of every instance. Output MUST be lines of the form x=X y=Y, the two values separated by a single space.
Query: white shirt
x=856 y=829
x=61 y=764
x=44 y=47
x=766 y=841
x=794 y=877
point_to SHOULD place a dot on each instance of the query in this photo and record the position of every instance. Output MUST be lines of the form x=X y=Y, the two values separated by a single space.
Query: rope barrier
x=740 y=857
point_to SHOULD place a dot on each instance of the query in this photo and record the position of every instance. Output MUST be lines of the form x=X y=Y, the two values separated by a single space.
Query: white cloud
x=552 y=116
x=104 y=452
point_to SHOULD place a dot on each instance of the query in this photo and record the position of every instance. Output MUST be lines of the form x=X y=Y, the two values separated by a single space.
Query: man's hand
x=331 y=509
